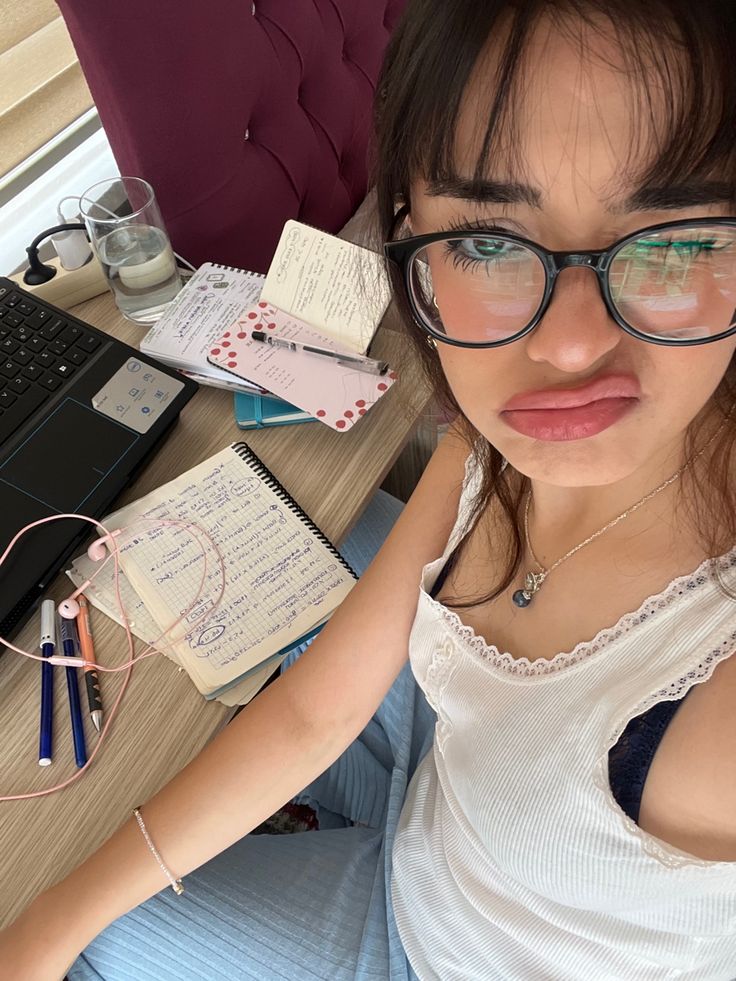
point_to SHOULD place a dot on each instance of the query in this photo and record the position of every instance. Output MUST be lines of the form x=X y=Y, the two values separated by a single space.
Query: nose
x=576 y=330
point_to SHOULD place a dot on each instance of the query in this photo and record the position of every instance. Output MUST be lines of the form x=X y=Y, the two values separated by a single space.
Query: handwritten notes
x=102 y=595
x=208 y=304
x=338 y=288
x=281 y=581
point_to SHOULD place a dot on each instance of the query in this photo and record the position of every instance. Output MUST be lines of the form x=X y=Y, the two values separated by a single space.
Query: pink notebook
x=333 y=394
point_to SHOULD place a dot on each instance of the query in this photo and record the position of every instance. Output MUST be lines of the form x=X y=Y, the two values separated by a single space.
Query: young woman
x=558 y=182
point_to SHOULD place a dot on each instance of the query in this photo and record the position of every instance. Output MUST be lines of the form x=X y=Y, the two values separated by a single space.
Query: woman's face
x=574 y=122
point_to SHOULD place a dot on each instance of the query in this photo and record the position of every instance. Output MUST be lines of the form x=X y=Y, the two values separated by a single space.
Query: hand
x=33 y=948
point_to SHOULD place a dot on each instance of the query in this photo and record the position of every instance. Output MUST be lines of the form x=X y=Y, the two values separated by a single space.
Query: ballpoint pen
x=70 y=641
x=91 y=678
x=356 y=361
x=48 y=644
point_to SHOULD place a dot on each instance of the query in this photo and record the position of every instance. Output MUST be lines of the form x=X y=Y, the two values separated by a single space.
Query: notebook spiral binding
x=247 y=272
x=259 y=467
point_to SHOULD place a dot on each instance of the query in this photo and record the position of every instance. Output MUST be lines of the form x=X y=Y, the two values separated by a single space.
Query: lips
x=557 y=414
x=605 y=387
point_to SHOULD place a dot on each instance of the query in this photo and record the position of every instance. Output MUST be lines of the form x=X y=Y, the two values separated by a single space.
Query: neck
x=562 y=517
x=575 y=507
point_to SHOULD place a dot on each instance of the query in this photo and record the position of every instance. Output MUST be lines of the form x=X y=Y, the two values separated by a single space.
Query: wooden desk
x=163 y=721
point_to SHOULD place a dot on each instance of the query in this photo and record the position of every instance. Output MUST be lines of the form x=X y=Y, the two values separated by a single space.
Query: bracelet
x=175 y=883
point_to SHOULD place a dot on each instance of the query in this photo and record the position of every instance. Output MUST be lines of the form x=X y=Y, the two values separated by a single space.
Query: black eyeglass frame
x=401 y=252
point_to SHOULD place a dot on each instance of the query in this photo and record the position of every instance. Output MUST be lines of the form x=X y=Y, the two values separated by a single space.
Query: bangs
x=675 y=54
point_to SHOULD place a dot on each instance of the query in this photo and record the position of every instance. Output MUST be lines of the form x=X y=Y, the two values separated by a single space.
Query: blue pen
x=48 y=645
x=70 y=643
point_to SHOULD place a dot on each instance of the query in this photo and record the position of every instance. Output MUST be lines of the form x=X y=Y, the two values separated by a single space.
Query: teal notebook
x=259 y=411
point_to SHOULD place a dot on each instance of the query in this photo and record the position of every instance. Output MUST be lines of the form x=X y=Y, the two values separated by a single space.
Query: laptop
x=80 y=415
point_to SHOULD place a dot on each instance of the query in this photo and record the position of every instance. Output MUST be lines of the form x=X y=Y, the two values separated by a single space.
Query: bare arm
x=275 y=747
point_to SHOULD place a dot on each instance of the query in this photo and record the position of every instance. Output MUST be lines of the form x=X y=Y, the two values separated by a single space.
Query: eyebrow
x=686 y=194
x=486 y=191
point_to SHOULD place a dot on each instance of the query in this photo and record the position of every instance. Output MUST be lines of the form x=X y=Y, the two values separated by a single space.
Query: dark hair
x=688 y=47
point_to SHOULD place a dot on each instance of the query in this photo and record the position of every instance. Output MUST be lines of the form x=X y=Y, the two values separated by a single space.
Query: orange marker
x=88 y=653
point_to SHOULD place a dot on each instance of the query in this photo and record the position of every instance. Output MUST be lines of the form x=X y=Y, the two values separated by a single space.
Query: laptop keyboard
x=39 y=349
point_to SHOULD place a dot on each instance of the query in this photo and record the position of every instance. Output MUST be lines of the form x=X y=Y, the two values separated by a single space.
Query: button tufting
x=247 y=134
x=253 y=9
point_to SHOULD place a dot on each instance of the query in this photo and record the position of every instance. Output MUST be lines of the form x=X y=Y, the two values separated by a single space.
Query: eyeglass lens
x=677 y=283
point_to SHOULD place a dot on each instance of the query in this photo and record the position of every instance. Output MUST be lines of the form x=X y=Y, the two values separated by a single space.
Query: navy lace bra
x=630 y=758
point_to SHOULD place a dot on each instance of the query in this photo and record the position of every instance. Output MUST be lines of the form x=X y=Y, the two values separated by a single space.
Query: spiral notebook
x=283 y=578
x=208 y=304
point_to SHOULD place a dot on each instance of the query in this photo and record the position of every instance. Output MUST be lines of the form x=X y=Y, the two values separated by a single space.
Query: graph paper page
x=281 y=580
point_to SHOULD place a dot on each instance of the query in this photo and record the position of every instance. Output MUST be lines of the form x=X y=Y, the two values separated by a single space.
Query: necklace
x=534 y=580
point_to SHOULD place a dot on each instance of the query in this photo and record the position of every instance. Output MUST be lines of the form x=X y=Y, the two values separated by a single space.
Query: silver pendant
x=532 y=584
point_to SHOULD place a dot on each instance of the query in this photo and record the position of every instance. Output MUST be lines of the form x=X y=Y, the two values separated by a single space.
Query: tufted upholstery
x=240 y=114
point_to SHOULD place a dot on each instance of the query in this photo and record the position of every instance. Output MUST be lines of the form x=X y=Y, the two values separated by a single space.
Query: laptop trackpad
x=67 y=456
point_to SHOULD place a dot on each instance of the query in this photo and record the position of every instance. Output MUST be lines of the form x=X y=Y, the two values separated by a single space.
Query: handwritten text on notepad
x=275 y=572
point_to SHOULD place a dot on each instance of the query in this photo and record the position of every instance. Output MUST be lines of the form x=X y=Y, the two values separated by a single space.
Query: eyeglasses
x=673 y=283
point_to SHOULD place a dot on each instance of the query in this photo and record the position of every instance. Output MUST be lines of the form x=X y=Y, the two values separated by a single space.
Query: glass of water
x=129 y=237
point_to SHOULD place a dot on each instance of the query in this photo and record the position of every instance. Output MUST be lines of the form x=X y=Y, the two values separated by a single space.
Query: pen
x=48 y=643
x=69 y=641
x=87 y=648
x=349 y=360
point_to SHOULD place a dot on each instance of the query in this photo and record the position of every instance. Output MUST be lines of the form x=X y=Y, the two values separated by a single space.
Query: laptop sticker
x=136 y=395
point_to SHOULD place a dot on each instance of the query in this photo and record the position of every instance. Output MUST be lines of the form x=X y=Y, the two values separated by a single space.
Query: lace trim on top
x=666 y=854
x=523 y=667
x=441 y=668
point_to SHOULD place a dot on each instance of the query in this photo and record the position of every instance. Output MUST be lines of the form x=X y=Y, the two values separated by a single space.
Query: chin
x=568 y=474
x=593 y=462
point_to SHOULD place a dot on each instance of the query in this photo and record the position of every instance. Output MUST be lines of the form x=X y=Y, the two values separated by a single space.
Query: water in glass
x=141 y=270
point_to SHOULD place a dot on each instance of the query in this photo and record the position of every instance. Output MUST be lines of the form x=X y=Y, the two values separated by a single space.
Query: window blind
x=42 y=88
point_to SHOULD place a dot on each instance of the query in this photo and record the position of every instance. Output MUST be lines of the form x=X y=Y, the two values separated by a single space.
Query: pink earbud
x=97 y=551
x=69 y=608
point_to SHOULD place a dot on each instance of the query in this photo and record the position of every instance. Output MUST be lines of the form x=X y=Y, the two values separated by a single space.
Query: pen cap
x=48 y=622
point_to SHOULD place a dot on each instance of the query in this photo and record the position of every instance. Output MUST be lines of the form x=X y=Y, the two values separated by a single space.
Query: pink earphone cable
x=110 y=538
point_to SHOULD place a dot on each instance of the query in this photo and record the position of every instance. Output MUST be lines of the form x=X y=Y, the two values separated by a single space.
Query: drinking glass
x=129 y=238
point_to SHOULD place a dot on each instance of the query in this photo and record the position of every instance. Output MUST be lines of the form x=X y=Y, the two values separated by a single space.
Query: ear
x=401 y=227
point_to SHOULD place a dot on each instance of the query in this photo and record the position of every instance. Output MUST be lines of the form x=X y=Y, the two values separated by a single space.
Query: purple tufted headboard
x=240 y=114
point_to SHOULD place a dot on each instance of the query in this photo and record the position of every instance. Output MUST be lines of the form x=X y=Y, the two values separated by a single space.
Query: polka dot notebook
x=331 y=392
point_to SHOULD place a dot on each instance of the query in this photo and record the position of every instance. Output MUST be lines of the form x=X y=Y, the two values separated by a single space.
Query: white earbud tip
x=69 y=609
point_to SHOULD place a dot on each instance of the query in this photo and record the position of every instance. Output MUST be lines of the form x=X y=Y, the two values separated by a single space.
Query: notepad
x=283 y=578
x=334 y=393
x=340 y=289
x=101 y=593
x=210 y=301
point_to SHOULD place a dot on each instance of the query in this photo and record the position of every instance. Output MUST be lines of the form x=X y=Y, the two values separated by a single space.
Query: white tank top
x=512 y=858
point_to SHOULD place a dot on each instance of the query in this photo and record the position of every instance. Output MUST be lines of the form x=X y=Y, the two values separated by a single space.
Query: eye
x=479 y=248
x=467 y=251
x=681 y=248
